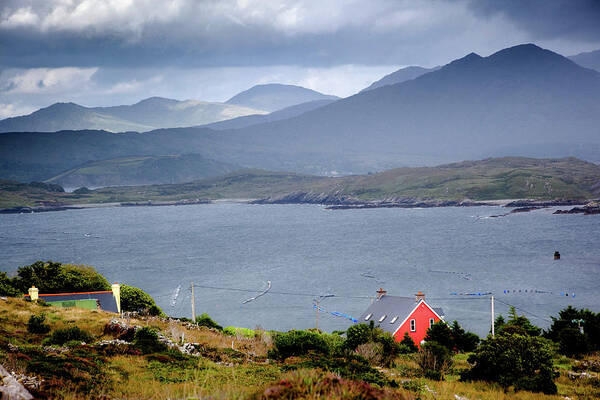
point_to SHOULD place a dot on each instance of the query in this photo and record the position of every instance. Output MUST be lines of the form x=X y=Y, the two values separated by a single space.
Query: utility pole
x=193 y=304
x=493 y=317
x=317 y=315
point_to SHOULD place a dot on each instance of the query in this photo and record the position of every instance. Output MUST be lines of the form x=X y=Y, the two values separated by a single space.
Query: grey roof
x=391 y=307
x=106 y=299
x=439 y=311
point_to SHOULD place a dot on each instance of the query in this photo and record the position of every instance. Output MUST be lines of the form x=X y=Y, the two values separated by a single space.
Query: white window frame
x=413 y=325
x=431 y=322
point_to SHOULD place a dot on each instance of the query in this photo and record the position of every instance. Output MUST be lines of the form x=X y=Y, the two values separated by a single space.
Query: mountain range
x=589 y=60
x=523 y=100
x=146 y=115
x=403 y=74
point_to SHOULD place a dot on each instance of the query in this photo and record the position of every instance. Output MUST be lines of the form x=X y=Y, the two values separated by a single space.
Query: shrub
x=522 y=361
x=62 y=336
x=297 y=343
x=463 y=341
x=235 y=331
x=572 y=343
x=146 y=340
x=408 y=345
x=435 y=360
x=36 y=324
x=134 y=299
x=563 y=331
x=357 y=335
x=52 y=277
x=516 y=324
x=6 y=286
x=440 y=333
x=205 y=320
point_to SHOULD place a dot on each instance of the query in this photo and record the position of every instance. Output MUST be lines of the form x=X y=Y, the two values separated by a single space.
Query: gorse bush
x=297 y=343
x=36 y=324
x=205 y=320
x=146 y=340
x=134 y=299
x=236 y=331
x=518 y=360
x=358 y=336
x=62 y=336
x=435 y=360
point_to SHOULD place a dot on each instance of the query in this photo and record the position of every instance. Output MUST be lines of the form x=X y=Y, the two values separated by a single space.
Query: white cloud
x=14 y=109
x=44 y=80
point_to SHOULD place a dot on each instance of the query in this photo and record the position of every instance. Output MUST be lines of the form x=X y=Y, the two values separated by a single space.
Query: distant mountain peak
x=276 y=96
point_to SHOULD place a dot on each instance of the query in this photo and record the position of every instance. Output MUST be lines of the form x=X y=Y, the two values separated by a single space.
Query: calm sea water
x=307 y=251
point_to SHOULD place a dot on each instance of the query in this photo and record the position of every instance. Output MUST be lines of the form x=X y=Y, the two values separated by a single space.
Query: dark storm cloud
x=207 y=33
x=547 y=19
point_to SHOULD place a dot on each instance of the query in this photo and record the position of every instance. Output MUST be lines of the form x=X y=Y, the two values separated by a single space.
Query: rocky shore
x=588 y=209
x=337 y=201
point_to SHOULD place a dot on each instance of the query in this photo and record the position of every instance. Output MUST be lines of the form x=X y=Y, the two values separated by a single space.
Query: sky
x=108 y=52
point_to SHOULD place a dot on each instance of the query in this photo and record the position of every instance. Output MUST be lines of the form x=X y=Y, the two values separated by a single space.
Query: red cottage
x=398 y=315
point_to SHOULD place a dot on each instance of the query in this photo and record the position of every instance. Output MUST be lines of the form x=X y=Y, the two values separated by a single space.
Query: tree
x=53 y=277
x=440 y=333
x=565 y=330
x=6 y=286
x=463 y=341
x=135 y=299
x=522 y=361
x=518 y=324
x=408 y=345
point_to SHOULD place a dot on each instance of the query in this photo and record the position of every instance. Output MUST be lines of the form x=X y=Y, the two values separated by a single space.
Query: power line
x=525 y=311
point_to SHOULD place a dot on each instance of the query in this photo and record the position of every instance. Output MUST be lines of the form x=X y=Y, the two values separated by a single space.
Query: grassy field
x=227 y=367
x=490 y=179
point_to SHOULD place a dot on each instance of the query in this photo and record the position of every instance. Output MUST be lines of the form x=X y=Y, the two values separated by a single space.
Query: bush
x=62 y=336
x=522 y=361
x=146 y=340
x=435 y=360
x=516 y=324
x=357 y=335
x=572 y=343
x=440 y=333
x=235 y=331
x=134 y=299
x=205 y=320
x=565 y=331
x=297 y=343
x=36 y=324
x=408 y=345
x=6 y=286
x=52 y=277
x=463 y=341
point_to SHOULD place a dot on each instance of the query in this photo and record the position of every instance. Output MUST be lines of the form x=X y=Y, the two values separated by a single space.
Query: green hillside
x=489 y=179
x=142 y=170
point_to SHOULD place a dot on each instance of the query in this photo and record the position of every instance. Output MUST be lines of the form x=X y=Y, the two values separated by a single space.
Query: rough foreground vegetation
x=76 y=353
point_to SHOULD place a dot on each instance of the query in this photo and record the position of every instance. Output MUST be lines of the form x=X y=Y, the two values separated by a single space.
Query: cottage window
x=394 y=319
x=382 y=318
x=413 y=325
x=431 y=322
x=368 y=317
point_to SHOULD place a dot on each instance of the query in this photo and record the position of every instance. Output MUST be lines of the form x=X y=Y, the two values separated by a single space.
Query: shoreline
x=329 y=204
